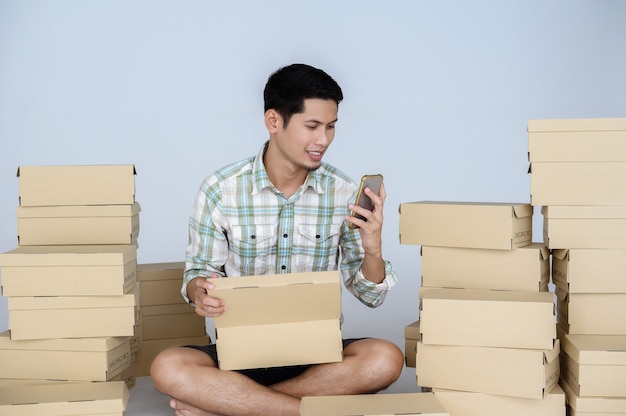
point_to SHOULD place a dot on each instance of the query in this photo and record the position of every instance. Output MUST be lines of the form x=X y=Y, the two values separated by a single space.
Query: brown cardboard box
x=593 y=406
x=87 y=359
x=411 y=338
x=290 y=319
x=589 y=270
x=592 y=313
x=595 y=365
x=525 y=268
x=480 y=404
x=488 y=318
x=577 y=140
x=97 y=399
x=161 y=271
x=151 y=348
x=69 y=270
x=161 y=283
x=503 y=371
x=76 y=185
x=485 y=225
x=423 y=404
x=171 y=321
x=578 y=183
x=73 y=316
x=68 y=225
x=585 y=227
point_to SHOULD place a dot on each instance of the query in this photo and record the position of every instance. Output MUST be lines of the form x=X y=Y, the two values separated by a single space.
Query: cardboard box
x=525 y=268
x=480 y=404
x=595 y=365
x=589 y=270
x=73 y=316
x=171 y=321
x=290 y=319
x=593 y=406
x=87 y=359
x=584 y=227
x=68 y=225
x=502 y=371
x=488 y=318
x=592 y=313
x=97 y=399
x=423 y=404
x=577 y=146
x=69 y=270
x=161 y=271
x=151 y=348
x=578 y=183
x=76 y=185
x=485 y=225
x=411 y=337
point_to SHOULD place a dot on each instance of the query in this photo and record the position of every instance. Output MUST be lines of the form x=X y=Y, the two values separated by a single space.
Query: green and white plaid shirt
x=241 y=225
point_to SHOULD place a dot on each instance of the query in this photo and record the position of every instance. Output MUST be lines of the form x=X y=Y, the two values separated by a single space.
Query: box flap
x=424 y=404
x=62 y=344
x=78 y=211
x=78 y=255
x=95 y=398
x=577 y=124
x=255 y=300
x=553 y=354
x=412 y=331
x=596 y=349
x=560 y=253
x=523 y=210
x=72 y=302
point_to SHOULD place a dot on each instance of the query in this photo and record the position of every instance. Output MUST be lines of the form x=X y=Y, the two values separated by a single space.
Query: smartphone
x=367 y=181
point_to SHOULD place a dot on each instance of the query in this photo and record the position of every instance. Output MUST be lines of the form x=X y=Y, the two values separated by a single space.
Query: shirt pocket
x=253 y=247
x=317 y=247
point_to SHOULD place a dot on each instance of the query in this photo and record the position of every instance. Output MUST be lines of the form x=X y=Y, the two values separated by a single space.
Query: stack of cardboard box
x=166 y=319
x=578 y=176
x=487 y=329
x=72 y=293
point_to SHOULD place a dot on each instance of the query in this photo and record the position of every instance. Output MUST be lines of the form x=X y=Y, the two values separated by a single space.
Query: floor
x=145 y=400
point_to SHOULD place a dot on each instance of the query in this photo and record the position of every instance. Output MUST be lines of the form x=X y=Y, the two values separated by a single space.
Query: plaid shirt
x=241 y=225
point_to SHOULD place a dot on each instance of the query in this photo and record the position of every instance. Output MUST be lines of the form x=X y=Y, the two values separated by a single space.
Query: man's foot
x=184 y=409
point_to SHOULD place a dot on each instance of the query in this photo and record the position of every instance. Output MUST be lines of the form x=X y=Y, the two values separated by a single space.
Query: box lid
x=94 y=398
x=82 y=211
x=72 y=302
x=596 y=349
x=62 y=344
x=257 y=300
x=577 y=124
x=595 y=405
x=583 y=211
x=482 y=209
x=412 y=331
x=78 y=255
x=423 y=404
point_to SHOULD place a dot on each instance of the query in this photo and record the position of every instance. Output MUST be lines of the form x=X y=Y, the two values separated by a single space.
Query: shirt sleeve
x=207 y=248
x=369 y=293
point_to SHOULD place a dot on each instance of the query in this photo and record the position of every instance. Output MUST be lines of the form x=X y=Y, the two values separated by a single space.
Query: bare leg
x=198 y=388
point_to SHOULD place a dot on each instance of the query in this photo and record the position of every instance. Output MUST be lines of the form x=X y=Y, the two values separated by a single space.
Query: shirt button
x=285 y=235
x=283 y=267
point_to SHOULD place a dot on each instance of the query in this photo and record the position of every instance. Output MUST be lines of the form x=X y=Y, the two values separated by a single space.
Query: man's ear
x=272 y=120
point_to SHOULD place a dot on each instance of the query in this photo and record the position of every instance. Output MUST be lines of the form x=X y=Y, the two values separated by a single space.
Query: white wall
x=437 y=98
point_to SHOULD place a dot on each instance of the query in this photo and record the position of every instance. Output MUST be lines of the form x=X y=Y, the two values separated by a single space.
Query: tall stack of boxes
x=487 y=327
x=578 y=176
x=167 y=320
x=72 y=293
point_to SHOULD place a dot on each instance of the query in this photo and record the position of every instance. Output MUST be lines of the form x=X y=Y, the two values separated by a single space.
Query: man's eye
x=331 y=126
x=311 y=127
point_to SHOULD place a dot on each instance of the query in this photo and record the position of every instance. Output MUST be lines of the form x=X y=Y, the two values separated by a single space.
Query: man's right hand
x=206 y=305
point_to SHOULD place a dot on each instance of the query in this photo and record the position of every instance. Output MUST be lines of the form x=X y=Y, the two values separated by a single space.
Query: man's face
x=309 y=134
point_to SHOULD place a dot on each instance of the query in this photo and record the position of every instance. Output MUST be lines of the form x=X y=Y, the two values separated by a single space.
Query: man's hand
x=206 y=305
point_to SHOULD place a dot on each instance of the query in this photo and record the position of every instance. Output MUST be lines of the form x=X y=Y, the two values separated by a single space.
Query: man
x=283 y=211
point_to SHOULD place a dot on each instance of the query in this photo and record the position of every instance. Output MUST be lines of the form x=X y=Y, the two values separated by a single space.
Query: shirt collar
x=261 y=179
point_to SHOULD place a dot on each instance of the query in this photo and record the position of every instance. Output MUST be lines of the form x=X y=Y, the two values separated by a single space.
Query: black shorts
x=266 y=376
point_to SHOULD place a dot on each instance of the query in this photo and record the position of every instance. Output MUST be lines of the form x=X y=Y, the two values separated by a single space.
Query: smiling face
x=299 y=146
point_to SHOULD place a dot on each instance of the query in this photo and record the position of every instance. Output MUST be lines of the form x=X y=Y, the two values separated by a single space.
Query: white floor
x=145 y=400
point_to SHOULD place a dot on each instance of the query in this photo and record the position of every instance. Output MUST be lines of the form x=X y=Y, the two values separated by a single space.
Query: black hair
x=288 y=87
